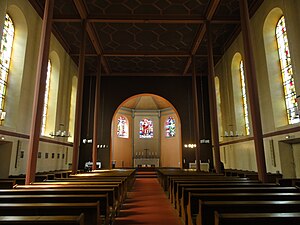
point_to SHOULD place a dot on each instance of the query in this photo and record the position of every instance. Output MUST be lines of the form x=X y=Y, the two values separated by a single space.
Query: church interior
x=153 y=112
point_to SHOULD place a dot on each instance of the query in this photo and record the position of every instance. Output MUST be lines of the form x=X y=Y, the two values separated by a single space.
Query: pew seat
x=90 y=210
x=257 y=218
x=42 y=220
x=207 y=209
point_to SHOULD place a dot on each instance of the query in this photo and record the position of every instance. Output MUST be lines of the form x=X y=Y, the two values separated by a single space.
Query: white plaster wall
x=21 y=89
x=241 y=155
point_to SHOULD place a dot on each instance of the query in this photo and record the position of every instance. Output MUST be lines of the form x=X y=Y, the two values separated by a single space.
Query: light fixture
x=60 y=132
x=190 y=145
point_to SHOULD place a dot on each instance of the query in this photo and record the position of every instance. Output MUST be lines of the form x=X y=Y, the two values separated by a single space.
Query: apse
x=146 y=132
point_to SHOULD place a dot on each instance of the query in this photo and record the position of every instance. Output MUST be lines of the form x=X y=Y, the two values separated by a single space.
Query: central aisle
x=147 y=204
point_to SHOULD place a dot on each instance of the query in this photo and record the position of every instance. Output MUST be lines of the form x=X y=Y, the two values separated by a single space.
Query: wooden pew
x=173 y=179
x=192 y=208
x=102 y=199
x=184 y=201
x=165 y=174
x=182 y=192
x=181 y=183
x=52 y=192
x=256 y=218
x=205 y=215
x=120 y=196
x=117 y=195
x=91 y=210
x=7 y=183
x=42 y=220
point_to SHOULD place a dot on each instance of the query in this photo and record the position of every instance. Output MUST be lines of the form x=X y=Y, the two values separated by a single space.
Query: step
x=145 y=176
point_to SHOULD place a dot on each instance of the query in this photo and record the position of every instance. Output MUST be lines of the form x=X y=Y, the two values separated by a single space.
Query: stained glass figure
x=287 y=72
x=244 y=99
x=5 y=56
x=46 y=98
x=170 y=127
x=146 y=128
x=122 y=127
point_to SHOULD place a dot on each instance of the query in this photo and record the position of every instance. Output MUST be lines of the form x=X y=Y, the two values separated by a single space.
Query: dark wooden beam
x=154 y=20
x=137 y=74
x=201 y=32
x=146 y=54
x=91 y=33
x=67 y=20
x=143 y=54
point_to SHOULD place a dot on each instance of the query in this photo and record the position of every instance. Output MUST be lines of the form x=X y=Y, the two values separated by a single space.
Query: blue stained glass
x=146 y=128
x=287 y=72
x=170 y=127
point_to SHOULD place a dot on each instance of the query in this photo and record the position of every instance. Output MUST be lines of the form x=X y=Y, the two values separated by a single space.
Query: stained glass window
x=46 y=98
x=122 y=127
x=5 y=56
x=170 y=127
x=244 y=99
x=146 y=128
x=287 y=72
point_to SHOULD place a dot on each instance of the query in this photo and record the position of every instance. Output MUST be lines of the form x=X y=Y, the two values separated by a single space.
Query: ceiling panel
x=146 y=7
x=146 y=37
x=174 y=65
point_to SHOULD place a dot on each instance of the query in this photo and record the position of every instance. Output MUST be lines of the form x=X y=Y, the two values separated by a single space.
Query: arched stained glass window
x=146 y=128
x=244 y=98
x=46 y=98
x=5 y=56
x=122 y=127
x=287 y=72
x=170 y=127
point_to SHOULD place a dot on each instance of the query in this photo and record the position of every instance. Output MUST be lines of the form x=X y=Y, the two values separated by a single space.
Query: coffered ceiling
x=145 y=37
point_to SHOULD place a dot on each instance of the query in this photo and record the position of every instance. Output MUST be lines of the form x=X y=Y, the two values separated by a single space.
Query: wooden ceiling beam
x=144 y=74
x=150 y=21
x=201 y=33
x=91 y=33
x=146 y=54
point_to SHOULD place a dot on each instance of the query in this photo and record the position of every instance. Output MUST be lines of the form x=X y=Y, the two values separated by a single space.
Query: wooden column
x=39 y=92
x=212 y=100
x=196 y=114
x=96 y=112
x=253 y=91
x=78 y=110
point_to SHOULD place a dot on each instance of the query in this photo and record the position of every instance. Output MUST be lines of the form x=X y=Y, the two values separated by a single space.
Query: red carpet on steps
x=147 y=204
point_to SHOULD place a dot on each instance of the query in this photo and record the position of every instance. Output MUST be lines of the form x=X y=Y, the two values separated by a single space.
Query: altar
x=146 y=162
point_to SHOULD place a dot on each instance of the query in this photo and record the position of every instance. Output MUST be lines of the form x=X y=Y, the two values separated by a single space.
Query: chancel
x=105 y=103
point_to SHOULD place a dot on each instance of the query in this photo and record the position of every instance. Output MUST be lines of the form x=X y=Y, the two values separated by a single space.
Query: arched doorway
x=146 y=131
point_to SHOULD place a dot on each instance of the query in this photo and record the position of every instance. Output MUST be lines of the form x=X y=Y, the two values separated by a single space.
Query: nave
x=128 y=196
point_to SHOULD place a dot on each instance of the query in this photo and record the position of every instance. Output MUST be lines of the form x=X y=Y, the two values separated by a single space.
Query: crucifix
x=146 y=149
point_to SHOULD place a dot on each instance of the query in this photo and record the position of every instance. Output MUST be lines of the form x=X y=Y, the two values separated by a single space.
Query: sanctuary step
x=146 y=174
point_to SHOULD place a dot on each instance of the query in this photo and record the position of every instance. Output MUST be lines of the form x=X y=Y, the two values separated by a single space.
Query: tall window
x=122 y=127
x=146 y=128
x=5 y=56
x=46 y=98
x=287 y=72
x=170 y=127
x=244 y=99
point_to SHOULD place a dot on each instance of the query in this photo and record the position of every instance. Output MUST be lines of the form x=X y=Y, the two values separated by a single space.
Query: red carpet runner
x=147 y=204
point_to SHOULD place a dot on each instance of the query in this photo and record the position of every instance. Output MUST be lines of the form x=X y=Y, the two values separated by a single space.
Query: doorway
x=289 y=152
x=5 y=155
